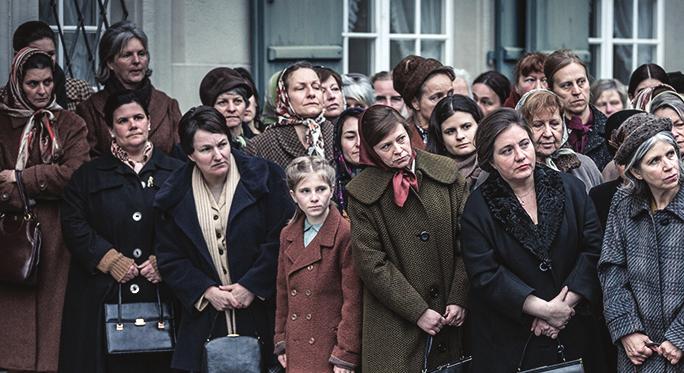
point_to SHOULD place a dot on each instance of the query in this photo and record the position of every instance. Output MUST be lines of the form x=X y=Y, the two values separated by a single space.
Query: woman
x=664 y=102
x=542 y=110
x=640 y=265
x=107 y=220
x=452 y=133
x=609 y=96
x=124 y=67
x=646 y=76
x=530 y=241
x=226 y=90
x=333 y=99
x=47 y=144
x=217 y=237
x=346 y=149
x=529 y=75
x=490 y=90
x=357 y=90
x=252 y=116
x=301 y=128
x=404 y=211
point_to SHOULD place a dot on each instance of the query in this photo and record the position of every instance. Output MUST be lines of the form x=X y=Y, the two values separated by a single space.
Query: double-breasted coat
x=503 y=251
x=260 y=209
x=164 y=117
x=318 y=314
x=31 y=318
x=641 y=267
x=281 y=144
x=409 y=261
x=106 y=205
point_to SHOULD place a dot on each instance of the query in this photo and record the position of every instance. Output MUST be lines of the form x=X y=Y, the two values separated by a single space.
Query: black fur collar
x=507 y=210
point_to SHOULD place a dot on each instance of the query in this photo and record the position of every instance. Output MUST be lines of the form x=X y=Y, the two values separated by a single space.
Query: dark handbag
x=139 y=327
x=21 y=239
x=461 y=365
x=231 y=354
x=573 y=366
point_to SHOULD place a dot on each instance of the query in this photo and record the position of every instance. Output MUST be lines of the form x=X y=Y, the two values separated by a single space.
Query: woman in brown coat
x=54 y=145
x=318 y=311
x=404 y=212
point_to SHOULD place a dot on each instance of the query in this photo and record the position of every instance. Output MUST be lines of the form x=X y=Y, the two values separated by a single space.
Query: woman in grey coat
x=643 y=255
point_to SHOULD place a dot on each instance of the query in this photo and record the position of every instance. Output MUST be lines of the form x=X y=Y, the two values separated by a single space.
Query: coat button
x=665 y=222
x=134 y=288
x=218 y=234
x=308 y=316
x=294 y=316
x=310 y=267
x=312 y=340
x=424 y=236
x=220 y=251
x=216 y=217
x=434 y=292
x=42 y=186
x=441 y=347
x=137 y=216
x=137 y=253
x=4 y=196
x=308 y=293
x=225 y=271
x=293 y=292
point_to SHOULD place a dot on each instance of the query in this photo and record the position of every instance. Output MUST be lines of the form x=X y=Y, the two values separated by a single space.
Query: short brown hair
x=490 y=128
x=528 y=64
x=558 y=60
x=377 y=122
x=540 y=101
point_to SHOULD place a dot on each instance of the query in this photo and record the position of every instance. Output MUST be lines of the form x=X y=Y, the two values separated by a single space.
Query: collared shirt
x=310 y=231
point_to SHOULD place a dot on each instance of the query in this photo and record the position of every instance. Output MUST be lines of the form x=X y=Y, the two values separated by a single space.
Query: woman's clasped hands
x=432 y=321
x=556 y=314
x=225 y=297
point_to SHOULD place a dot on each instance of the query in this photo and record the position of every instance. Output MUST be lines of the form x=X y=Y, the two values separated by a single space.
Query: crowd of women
x=395 y=223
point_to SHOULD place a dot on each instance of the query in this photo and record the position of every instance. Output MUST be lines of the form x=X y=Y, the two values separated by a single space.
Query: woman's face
x=304 y=90
x=659 y=168
x=458 y=133
x=395 y=149
x=527 y=83
x=547 y=132
x=572 y=86
x=211 y=154
x=486 y=98
x=350 y=140
x=131 y=127
x=232 y=106
x=38 y=86
x=434 y=89
x=609 y=102
x=332 y=98
x=677 y=124
x=312 y=195
x=250 y=110
x=130 y=64
x=352 y=103
x=514 y=156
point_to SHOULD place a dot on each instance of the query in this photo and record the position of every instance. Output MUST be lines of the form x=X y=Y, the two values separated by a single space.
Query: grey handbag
x=573 y=366
x=461 y=365
x=232 y=353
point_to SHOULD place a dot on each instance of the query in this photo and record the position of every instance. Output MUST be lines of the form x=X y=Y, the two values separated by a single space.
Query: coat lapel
x=302 y=257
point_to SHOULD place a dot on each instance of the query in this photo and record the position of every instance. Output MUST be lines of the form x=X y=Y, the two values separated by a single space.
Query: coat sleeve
x=86 y=110
x=380 y=276
x=278 y=206
x=501 y=288
x=619 y=305
x=175 y=115
x=459 y=286
x=281 y=303
x=675 y=332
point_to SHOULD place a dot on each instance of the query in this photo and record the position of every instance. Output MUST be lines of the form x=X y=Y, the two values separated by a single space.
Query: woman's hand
x=131 y=274
x=221 y=300
x=454 y=315
x=636 y=348
x=541 y=327
x=7 y=176
x=558 y=313
x=282 y=359
x=337 y=369
x=670 y=352
x=148 y=271
x=431 y=322
x=243 y=297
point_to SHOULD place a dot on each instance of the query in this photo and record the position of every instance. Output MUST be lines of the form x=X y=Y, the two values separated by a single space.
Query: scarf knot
x=579 y=136
x=402 y=181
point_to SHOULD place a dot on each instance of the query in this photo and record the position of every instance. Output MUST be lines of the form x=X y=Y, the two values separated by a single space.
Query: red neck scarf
x=579 y=136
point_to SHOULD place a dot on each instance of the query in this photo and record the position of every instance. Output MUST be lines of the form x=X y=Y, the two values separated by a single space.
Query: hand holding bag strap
x=22 y=193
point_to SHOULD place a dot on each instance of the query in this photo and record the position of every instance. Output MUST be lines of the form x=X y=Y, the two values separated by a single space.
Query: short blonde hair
x=301 y=167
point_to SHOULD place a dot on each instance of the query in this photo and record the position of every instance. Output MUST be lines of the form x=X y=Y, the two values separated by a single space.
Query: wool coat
x=318 y=314
x=260 y=209
x=164 y=117
x=597 y=148
x=503 y=251
x=281 y=145
x=106 y=205
x=32 y=317
x=409 y=261
x=641 y=267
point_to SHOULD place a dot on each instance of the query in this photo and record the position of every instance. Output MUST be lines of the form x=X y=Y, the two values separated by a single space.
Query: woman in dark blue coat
x=107 y=221
x=217 y=229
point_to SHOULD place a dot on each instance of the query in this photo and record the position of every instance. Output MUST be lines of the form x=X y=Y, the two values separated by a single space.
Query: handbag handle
x=22 y=194
x=213 y=323
x=561 y=351
x=119 y=322
x=428 y=348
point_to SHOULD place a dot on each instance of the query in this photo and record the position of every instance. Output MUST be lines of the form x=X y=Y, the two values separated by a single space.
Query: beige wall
x=674 y=29
x=473 y=35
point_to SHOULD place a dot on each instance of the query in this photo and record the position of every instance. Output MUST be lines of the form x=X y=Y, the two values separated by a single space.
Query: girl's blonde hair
x=301 y=167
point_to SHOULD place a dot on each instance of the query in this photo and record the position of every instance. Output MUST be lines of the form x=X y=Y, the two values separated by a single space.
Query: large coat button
x=293 y=292
x=312 y=340
x=424 y=236
x=137 y=216
x=135 y=288
x=434 y=292
x=137 y=253
x=294 y=316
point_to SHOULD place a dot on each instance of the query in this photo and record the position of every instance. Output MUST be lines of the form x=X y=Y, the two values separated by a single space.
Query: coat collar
x=300 y=256
x=641 y=205
x=597 y=137
x=158 y=160
x=371 y=183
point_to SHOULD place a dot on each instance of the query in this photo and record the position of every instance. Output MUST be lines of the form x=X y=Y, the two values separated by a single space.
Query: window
x=623 y=35
x=379 y=33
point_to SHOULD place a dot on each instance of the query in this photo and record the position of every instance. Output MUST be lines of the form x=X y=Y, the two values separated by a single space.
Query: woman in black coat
x=194 y=238
x=530 y=241
x=107 y=221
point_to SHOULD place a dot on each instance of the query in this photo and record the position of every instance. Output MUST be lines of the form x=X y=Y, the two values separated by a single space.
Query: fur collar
x=509 y=213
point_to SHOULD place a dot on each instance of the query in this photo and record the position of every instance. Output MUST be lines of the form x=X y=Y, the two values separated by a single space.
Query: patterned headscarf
x=288 y=117
x=41 y=122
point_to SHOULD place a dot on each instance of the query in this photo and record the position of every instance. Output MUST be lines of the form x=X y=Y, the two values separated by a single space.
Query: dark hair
x=204 y=118
x=324 y=73
x=248 y=77
x=37 y=61
x=379 y=121
x=297 y=66
x=558 y=60
x=643 y=72
x=444 y=109
x=529 y=63
x=116 y=101
x=382 y=75
x=31 y=31
x=497 y=82
x=490 y=128
x=113 y=41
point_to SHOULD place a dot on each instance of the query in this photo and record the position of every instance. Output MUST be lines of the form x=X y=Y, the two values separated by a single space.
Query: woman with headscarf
x=124 y=67
x=404 y=210
x=346 y=148
x=47 y=144
x=301 y=128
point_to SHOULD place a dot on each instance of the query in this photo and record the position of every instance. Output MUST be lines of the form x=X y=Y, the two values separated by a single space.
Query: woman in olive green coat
x=404 y=212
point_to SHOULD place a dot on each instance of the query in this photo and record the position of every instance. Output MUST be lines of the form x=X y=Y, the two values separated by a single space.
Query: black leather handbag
x=232 y=353
x=21 y=239
x=139 y=327
x=461 y=365
x=573 y=366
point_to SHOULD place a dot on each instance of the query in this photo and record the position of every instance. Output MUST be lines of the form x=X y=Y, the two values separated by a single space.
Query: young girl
x=318 y=314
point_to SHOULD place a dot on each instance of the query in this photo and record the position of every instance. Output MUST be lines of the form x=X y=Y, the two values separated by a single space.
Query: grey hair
x=668 y=99
x=603 y=85
x=113 y=41
x=639 y=187
x=465 y=75
x=358 y=87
